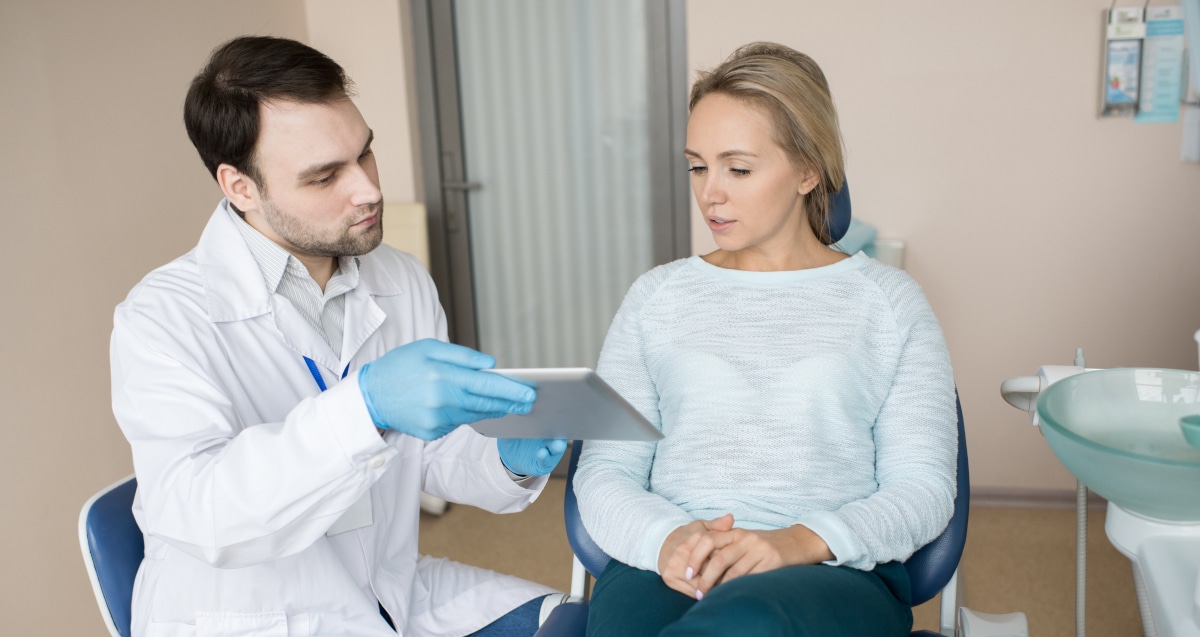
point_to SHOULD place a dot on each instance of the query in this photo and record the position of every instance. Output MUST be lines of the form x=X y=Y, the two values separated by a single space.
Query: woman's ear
x=808 y=180
x=239 y=188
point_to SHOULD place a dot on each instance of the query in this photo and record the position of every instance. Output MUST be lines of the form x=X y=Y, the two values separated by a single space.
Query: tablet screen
x=573 y=403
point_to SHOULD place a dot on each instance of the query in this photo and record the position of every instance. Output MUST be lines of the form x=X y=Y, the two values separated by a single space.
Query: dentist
x=288 y=393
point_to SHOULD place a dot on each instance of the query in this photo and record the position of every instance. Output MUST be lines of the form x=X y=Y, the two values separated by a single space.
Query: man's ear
x=239 y=188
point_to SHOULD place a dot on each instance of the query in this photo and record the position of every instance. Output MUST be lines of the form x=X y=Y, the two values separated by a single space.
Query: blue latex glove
x=428 y=388
x=531 y=456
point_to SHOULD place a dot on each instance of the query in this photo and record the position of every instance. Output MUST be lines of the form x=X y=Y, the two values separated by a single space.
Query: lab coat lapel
x=233 y=285
x=363 y=318
x=363 y=314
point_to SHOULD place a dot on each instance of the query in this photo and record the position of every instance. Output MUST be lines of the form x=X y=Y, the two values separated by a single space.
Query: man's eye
x=324 y=180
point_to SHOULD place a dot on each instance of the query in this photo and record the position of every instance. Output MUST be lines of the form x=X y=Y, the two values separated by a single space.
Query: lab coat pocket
x=265 y=624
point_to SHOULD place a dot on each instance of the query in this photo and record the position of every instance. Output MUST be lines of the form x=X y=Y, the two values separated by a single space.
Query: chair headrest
x=839 y=212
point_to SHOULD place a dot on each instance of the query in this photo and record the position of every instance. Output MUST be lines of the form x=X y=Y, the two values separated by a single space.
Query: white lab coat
x=243 y=464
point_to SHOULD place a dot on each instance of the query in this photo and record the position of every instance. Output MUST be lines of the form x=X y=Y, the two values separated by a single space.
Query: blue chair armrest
x=931 y=567
x=591 y=556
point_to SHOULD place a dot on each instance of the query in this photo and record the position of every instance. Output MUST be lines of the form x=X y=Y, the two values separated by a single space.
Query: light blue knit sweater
x=821 y=397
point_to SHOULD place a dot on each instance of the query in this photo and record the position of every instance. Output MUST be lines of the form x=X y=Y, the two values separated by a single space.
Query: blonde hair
x=790 y=88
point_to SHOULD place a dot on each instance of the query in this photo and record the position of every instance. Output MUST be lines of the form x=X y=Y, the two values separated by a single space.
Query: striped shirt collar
x=286 y=276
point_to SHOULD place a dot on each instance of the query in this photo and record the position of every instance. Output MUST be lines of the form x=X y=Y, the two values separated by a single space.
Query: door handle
x=462 y=185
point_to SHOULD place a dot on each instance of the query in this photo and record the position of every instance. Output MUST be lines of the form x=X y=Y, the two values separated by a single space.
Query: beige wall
x=371 y=43
x=100 y=185
x=1018 y=206
x=1033 y=226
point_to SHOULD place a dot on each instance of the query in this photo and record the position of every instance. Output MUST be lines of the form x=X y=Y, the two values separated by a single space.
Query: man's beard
x=342 y=242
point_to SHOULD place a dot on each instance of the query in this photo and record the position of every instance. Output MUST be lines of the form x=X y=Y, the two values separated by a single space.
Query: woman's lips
x=717 y=224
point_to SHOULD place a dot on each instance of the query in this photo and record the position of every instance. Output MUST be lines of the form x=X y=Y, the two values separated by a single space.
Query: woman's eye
x=740 y=172
x=697 y=170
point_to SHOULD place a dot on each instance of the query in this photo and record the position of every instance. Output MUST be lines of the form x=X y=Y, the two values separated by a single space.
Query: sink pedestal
x=1166 y=563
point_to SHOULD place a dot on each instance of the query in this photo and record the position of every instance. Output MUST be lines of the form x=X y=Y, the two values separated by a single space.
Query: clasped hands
x=704 y=553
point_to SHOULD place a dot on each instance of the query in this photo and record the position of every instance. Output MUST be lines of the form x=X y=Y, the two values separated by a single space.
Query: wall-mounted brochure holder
x=1143 y=63
x=1162 y=82
x=1124 y=31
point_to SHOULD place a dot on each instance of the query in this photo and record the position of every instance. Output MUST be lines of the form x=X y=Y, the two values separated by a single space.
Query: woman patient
x=806 y=395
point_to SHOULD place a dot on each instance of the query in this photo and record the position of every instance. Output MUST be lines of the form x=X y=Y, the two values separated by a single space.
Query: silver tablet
x=572 y=403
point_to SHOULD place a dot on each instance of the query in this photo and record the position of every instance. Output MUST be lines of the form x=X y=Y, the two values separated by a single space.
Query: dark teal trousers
x=797 y=601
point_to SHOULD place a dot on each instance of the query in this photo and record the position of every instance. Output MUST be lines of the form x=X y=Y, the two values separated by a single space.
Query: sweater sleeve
x=613 y=478
x=916 y=446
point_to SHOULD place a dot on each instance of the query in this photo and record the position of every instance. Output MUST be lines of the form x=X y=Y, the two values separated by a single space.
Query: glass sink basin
x=1119 y=432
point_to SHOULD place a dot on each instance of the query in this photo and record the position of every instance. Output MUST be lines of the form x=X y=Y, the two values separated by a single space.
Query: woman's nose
x=711 y=190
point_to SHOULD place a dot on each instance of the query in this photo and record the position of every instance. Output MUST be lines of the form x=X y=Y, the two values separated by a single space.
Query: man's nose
x=365 y=186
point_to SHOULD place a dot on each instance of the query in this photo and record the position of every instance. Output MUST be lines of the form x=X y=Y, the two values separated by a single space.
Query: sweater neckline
x=854 y=262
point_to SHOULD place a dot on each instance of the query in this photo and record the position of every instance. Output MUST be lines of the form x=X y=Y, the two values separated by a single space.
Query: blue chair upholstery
x=112 y=551
x=839 y=212
x=933 y=566
x=930 y=569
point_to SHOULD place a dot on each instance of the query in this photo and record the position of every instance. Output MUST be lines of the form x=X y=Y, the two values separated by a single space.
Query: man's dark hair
x=221 y=111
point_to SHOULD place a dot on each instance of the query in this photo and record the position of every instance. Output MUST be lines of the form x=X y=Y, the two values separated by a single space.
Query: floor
x=1016 y=559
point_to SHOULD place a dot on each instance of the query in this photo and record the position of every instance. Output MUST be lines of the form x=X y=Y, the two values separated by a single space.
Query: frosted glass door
x=556 y=148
